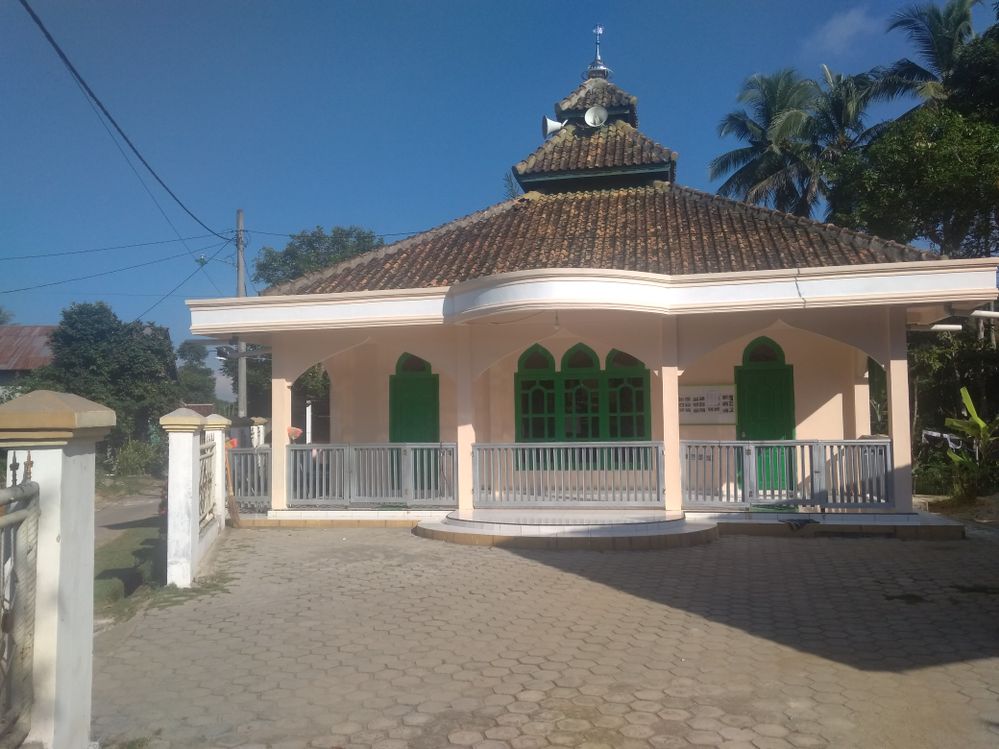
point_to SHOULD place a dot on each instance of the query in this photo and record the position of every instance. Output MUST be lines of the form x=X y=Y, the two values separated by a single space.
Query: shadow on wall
x=872 y=604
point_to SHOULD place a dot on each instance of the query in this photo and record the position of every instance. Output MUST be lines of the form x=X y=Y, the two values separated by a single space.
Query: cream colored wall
x=824 y=382
x=830 y=384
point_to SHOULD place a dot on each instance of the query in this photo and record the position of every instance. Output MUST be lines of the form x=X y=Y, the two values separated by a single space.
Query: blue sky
x=397 y=116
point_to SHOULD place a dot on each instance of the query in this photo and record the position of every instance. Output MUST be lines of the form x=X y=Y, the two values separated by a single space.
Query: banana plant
x=971 y=470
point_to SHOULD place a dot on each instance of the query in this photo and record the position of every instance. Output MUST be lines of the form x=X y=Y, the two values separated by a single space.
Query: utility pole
x=240 y=291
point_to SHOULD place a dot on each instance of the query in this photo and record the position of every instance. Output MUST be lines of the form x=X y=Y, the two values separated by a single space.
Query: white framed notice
x=707 y=404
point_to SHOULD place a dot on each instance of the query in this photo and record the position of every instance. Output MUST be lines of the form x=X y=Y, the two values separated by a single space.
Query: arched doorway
x=414 y=401
x=764 y=407
x=764 y=393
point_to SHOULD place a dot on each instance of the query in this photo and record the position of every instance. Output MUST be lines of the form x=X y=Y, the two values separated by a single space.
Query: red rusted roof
x=24 y=347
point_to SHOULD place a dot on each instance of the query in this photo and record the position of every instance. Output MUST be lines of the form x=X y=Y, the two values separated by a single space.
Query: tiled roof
x=24 y=347
x=618 y=145
x=596 y=92
x=660 y=228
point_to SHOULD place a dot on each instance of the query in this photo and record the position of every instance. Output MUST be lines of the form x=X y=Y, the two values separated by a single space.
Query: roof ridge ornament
x=597 y=69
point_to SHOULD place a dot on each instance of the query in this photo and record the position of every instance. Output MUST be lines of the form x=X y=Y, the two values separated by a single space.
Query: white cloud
x=839 y=34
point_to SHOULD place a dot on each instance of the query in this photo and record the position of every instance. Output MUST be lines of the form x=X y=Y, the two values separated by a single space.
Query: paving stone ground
x=375 y=638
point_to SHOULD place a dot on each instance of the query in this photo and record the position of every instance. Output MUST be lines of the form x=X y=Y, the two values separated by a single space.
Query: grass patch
x=129 y=567
x=110 y=487
x=129 y=573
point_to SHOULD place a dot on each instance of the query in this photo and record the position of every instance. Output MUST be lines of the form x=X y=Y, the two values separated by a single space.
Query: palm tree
x=938 y=34
x=770 y=169
x=795 y=129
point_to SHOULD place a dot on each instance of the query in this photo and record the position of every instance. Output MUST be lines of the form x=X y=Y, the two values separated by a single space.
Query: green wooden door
x=764 y=406
x=414 y=408
x=764 y=402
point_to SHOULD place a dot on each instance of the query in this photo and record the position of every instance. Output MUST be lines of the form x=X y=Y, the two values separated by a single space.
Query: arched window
x=763 y=350
x=627 y=397
x=581 y=396
x=581 y=402
x=414 y=401
x=535 y=394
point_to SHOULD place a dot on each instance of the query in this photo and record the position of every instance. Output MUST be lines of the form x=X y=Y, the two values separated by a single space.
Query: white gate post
x=215 y=430
x=59 y=431
x=183 y=508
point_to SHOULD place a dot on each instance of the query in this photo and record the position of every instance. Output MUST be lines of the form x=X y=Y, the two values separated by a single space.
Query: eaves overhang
x=920 y=284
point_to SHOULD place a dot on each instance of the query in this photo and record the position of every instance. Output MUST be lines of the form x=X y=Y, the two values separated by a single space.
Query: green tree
x=932 y=176
x=310 y=251
x=794 y=128
x=973 y=82
x=5 y=316
x=128 y=367
x=196 y=381
x=938 y=34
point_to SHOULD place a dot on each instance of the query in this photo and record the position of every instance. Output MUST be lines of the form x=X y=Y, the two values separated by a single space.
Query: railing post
x=406 y=455
x=60 y=431
x=749 y=483
x=215 y=431
x=820 y=488
x=183 y=507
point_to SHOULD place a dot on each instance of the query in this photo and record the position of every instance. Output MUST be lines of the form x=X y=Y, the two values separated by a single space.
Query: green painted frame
x=558 y=380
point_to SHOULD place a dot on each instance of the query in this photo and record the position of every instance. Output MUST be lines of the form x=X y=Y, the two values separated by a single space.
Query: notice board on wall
x=707 y=404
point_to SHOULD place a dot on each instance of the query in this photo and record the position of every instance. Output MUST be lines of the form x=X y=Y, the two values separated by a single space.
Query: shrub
x=974 y=469
x=135 y=458
x=934 y=472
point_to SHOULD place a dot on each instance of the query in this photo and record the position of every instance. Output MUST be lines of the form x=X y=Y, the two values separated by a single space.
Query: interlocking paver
x=376 y=638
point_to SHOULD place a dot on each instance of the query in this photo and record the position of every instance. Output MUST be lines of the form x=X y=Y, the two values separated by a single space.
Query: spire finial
x=597 y=69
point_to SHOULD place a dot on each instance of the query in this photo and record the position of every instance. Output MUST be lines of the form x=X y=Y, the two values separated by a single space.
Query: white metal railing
x=317 y=474
x=206 y=482
x=827 y=473
x=375 y=475
x=568 y=474
x=250 y=469
x=18 y=541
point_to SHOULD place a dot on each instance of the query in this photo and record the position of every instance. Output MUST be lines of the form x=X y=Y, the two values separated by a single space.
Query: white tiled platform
x=604 y=529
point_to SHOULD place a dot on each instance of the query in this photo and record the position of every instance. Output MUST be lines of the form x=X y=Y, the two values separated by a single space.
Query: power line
x=170 y=293
x=143 y=183
x=97 y=101
x=63 y=253
x=107 y=272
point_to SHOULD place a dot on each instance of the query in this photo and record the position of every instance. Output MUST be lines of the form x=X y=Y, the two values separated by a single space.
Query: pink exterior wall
x=829 y=375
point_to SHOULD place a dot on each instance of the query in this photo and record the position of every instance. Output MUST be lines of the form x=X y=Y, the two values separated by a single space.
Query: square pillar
x=183 y=428
x=669 y=378
x=899 y=420
x=280 y=422
x=58 y=432
x=465 y=407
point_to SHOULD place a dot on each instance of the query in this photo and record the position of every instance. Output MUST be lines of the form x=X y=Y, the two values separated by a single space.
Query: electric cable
x=174 y=289
x=63 y=253
x=104 y=273
x=90 y=92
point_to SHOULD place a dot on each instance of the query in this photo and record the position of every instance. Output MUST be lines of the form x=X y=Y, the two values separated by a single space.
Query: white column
x=280 y=421
x=183 y=428
x=465 y=405
x=899 y=421
x=60 y=431
x=215 y=432
x=669 y=375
